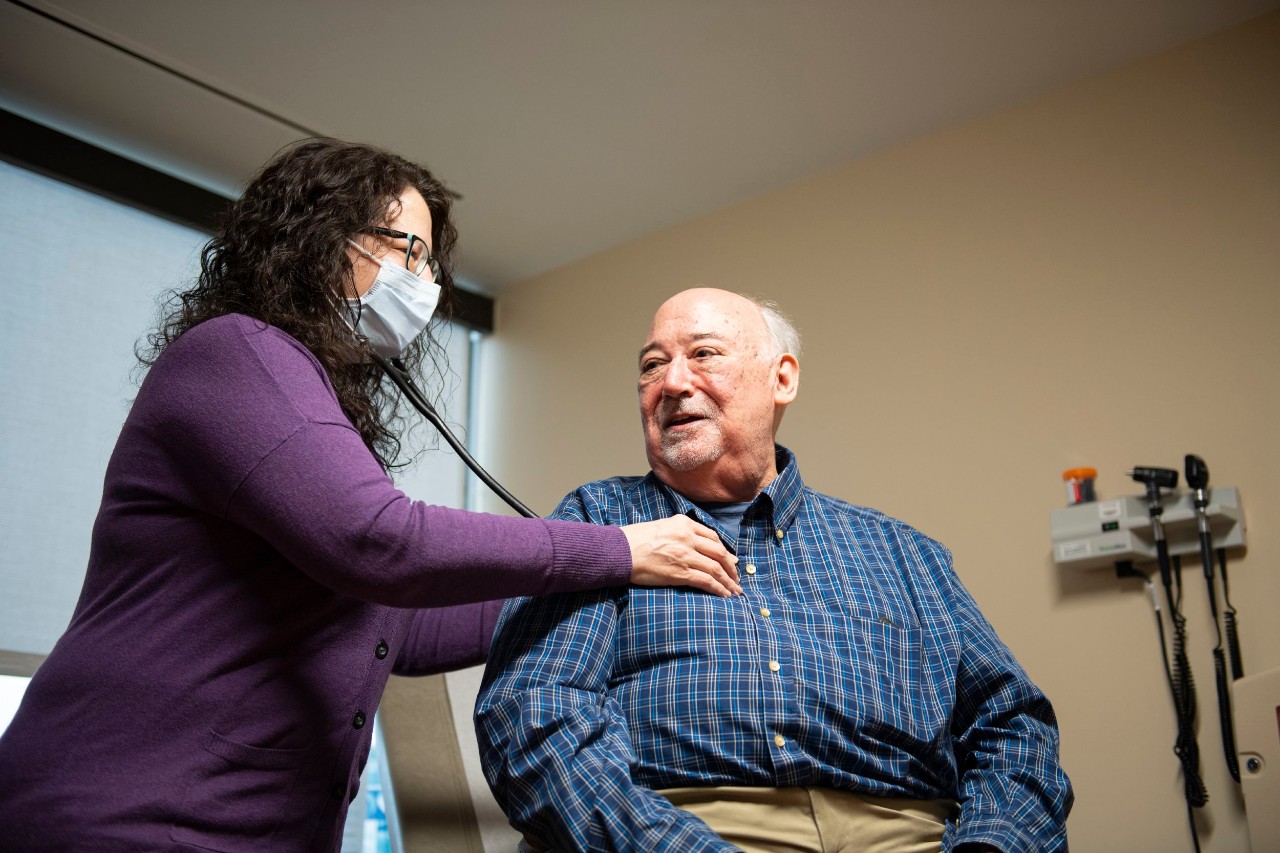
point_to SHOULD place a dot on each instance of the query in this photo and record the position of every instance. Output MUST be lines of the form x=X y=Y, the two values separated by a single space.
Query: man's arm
x=555 y=747
x=1014 y=795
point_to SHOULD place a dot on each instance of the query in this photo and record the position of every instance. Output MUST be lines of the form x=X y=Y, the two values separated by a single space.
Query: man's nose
x=678 y=379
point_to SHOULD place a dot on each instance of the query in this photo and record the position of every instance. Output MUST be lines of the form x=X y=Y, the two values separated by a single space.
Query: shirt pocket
x=238 y=796
x=884 y=691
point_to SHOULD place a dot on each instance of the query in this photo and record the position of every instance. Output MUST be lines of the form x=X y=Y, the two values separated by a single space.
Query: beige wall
x=1090 y=278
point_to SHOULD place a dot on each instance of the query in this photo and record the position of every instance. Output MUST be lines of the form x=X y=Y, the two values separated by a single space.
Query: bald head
x=714 y=381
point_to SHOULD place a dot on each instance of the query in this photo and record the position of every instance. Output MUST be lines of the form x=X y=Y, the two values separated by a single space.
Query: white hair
x=785 y=335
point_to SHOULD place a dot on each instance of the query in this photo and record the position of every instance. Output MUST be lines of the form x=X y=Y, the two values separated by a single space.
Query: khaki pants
x=816 y=820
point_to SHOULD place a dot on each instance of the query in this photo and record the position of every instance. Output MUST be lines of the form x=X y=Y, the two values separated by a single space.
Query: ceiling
x=567 y=126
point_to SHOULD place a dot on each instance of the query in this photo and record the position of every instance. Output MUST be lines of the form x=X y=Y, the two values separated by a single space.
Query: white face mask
x=395 y=310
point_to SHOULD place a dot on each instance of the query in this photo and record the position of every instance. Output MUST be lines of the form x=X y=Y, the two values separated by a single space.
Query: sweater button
x=381 y=651
x=358 y=721
x=338 y=790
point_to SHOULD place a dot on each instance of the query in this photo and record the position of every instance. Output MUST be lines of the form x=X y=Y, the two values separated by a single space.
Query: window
x=80 y=276
x=11 y=689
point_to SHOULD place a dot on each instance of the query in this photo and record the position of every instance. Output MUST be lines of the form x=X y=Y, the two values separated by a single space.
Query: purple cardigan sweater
x=254 y=578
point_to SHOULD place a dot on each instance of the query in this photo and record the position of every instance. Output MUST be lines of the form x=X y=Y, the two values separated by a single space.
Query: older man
x=853 y=698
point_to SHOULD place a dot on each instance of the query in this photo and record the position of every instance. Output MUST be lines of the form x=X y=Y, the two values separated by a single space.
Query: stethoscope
x=394 y=368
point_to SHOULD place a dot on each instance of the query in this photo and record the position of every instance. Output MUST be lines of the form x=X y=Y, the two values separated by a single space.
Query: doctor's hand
x=678 y=551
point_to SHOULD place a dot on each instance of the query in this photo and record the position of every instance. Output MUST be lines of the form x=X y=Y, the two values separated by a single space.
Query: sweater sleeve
x=322 y=501
x=442 y=639
x=255 y=434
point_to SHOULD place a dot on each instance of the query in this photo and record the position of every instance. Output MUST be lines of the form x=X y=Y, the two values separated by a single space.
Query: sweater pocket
x=237 y=797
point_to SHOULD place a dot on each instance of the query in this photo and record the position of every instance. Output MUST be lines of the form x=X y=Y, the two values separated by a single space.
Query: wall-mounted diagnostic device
x=1159 y=528
x=1100 y=534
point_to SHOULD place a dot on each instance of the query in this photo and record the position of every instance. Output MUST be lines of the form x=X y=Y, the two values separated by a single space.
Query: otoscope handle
x=1206 y=549
x=1162 y=555
x=1156 y=479
x=1198 y=480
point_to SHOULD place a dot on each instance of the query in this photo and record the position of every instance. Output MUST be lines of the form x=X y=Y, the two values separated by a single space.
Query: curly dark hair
x=280 y=256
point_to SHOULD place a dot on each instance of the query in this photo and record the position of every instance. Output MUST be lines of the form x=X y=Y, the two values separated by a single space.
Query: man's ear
x=786 y=380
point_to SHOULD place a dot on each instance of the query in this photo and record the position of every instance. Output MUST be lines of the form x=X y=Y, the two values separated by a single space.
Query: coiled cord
x=1229 y=619
x=1225 y=714
x=1184 y=702
x=1194 y=790
x=1182 y=685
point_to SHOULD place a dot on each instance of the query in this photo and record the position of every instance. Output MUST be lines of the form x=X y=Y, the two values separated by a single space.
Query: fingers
x=677 y=551
x=707 y=582
x=705 y=573
x=708 y=543
x=710 y=576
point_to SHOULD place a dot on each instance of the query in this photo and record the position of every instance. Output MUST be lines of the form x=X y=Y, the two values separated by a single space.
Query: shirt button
x=778 y=533
x=751 y=568
x=381 y=651
x=779 y=740
x=358 y=720
x=773 y=665
x=764 y=611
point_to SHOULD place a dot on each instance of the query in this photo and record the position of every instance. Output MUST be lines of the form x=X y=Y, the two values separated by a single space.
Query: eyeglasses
x=416 y=255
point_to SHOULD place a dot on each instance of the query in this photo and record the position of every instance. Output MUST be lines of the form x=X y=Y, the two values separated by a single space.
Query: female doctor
x=254 y=575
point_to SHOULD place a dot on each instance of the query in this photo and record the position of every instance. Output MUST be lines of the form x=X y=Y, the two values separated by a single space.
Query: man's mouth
x=683 y=419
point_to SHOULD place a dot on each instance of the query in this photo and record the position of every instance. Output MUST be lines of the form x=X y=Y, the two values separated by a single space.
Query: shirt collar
x=782 y=497
x=787 y=489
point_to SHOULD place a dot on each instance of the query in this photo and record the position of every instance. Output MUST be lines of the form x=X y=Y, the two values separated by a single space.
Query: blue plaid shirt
x=855 y=660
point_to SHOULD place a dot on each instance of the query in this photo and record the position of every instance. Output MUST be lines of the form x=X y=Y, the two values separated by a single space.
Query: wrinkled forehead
x=687 y=319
